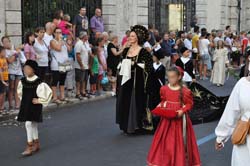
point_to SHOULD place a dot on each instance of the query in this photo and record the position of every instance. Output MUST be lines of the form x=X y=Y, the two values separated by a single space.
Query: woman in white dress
x=220 y=59
x=237 y=108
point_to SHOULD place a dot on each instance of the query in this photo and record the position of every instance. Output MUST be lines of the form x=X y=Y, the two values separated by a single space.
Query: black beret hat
x=32 y=64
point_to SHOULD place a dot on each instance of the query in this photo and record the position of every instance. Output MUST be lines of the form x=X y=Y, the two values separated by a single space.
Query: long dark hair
x=27 y=38
x=57 y=14
x=178 y=73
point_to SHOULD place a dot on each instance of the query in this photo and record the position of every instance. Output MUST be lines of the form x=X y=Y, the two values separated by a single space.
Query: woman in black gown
x=134 y=84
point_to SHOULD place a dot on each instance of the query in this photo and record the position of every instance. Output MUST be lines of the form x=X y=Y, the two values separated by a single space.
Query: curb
x=52 y=106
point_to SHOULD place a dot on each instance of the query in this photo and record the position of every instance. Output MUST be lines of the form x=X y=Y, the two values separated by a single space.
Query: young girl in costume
x=174 y=142
x=33 y=94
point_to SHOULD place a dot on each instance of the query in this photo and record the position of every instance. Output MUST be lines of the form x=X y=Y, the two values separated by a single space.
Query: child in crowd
x=4 y=77
x=15 y=59
x=158 y=76
x=66 y=26
x=69 y=82
x=174 y=142
x=220 y=59
x=94 y=70
x=102 y=63
x=187 y=65
x=158 y=80
x=112 y=81
x=33 y=94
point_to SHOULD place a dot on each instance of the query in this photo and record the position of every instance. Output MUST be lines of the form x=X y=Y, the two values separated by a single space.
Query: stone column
x=11 y=20
x=119 y=15
x=245 y=13
x=2 y=18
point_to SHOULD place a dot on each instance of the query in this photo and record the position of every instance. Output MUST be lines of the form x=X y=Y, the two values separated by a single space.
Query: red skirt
x=168 y=147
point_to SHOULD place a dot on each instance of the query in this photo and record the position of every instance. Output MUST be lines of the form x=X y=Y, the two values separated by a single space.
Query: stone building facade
x=217 y=14
x=119 y=15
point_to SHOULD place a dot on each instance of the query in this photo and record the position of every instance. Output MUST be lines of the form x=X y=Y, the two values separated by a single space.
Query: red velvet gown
x=168 y=148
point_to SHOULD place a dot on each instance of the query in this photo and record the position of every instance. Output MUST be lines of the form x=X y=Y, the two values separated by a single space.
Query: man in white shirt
x=218 y=38
x=48 y=35
x=188 y=43
x=82 y=52
x=228 y=42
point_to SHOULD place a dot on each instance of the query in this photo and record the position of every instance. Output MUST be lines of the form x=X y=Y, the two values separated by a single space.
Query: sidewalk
x=53 y=106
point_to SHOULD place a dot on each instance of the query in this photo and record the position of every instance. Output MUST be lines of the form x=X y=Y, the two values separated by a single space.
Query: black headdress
x=141 y=32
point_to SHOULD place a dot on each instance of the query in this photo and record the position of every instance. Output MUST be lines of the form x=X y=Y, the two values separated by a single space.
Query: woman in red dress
x=174 y=142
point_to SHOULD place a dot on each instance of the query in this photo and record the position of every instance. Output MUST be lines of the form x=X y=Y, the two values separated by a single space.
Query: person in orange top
x=4 y=77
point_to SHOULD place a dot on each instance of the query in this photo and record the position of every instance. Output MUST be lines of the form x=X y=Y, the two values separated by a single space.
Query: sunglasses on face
x=58 y=32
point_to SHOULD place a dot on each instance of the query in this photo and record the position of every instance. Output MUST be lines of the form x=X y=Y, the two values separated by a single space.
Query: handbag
x=240 y=132
x=105 y=79
x=64 y=67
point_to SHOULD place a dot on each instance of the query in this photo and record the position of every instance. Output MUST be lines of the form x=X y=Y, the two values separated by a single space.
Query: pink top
x=124 y=40
x=63 y=26
x=29 y=49
x=103 y=60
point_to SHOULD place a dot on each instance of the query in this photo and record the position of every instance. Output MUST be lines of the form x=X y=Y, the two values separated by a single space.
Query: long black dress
x=28 y=110
x=132 y=96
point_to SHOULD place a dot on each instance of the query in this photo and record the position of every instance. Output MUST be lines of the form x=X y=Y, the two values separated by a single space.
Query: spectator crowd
x=79 y=59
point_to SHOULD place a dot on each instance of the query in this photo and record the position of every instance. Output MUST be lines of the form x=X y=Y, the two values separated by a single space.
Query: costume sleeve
x=190 y=70
x=159 y=111
x=230 y=117
x=44 y=94
x=188 y=100
x=148 y=69
x=178 y=63
x=20 y=90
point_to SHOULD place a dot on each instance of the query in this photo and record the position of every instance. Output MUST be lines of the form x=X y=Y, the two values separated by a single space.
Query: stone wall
x=217 y=14
x=245 y=13
x=119 y=15
x=11 y=20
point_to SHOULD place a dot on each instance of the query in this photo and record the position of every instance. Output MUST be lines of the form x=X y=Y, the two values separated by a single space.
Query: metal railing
x=37 y=12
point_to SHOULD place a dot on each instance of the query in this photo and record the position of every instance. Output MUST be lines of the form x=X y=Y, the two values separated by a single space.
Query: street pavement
x=86 y=135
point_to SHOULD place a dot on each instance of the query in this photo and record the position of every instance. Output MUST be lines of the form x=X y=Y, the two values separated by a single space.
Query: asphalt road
x=86 y=135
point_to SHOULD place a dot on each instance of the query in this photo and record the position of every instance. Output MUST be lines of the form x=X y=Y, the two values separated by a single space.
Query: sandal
x=85 y=95
x=79 y=97
x=57 y=101
x=3 y=112
x=64 y=101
